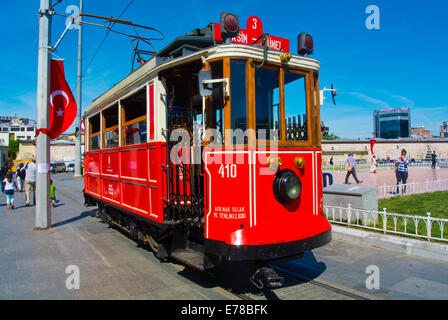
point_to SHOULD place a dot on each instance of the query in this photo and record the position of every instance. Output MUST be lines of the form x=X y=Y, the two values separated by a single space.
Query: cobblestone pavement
x=33 y=263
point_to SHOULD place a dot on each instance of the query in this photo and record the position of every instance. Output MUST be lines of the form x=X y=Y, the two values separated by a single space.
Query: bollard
x=428 y=225
x=384 y=220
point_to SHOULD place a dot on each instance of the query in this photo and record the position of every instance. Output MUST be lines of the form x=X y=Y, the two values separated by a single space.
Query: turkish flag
x=62 y=103
x=372 y=143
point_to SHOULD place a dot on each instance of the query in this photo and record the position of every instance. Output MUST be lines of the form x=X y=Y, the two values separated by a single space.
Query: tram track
x=335 y=288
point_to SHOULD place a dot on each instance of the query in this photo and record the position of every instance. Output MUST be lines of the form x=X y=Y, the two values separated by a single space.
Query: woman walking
x=9 y=190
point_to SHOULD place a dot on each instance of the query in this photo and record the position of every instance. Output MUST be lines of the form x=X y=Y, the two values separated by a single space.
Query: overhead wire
x=109 y=29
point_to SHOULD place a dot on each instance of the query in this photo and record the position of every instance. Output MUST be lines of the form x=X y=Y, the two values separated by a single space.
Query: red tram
x=210 y=152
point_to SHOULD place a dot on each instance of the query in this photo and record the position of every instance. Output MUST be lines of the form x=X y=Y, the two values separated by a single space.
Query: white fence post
x=384 y=220
x=349 y=214
x=428 y=225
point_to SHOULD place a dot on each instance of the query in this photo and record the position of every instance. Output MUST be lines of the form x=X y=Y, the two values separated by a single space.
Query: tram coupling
x=266 y=277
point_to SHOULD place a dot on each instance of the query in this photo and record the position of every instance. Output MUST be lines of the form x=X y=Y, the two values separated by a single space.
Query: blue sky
x=403 y=64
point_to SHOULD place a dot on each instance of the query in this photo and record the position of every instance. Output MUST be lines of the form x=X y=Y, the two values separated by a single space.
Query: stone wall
x=416 y=149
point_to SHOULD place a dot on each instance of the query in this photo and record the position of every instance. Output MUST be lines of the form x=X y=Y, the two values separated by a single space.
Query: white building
x=22 y=128
x=4 y=144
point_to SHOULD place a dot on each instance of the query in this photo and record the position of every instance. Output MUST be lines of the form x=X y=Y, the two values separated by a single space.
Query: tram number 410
x=227 y=171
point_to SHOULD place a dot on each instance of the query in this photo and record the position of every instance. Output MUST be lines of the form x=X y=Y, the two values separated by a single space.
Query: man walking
x=30 y=181
x=401 y=170
x=433 y=160
x=351 y=169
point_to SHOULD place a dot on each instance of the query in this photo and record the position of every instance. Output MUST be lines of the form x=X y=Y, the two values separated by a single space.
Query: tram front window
x=238 y=94
x=295 y=107
x=267 y=103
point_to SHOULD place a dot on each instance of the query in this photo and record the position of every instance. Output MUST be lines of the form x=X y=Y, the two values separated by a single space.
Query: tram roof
x=158 y=63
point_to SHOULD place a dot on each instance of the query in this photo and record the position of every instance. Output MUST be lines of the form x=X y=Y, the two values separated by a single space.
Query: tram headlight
x=230 y=25
x=287 y=186
x=305 y=44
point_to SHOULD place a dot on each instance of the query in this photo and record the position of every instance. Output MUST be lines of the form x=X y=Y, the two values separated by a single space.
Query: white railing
x=428 y=228
x=412 y=188
x=366 y=166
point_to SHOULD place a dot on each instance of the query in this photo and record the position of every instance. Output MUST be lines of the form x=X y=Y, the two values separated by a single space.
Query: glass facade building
x=392 y=123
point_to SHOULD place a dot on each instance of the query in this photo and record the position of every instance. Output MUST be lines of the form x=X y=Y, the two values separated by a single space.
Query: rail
x=388 y=191
x=340 y=166
x=424 y=227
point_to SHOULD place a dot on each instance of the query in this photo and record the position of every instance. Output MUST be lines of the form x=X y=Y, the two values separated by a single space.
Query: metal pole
x=43 y=211
x=79 y=100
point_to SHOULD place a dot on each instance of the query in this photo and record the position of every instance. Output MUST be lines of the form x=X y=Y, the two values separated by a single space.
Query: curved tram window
x=295 y=107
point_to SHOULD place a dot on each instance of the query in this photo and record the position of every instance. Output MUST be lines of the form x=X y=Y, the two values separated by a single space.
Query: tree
x=13 y=148
x=330 y=137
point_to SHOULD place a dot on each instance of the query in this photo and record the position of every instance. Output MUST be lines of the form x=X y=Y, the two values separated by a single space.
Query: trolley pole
x=78 y=99
x=43 y=211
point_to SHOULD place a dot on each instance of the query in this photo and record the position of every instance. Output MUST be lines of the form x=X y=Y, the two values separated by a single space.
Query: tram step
x=190 y=257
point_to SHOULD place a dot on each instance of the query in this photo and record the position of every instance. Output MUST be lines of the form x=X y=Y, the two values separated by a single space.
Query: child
x=9 y=190
x=52 y=194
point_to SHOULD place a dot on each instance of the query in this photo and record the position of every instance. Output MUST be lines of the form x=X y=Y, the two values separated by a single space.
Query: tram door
x=184 y=121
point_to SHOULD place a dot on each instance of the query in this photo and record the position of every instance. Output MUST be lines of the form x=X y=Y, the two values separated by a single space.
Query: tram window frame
x=110 y=123
x=306 y=76
x=94 y=123
x=216 y=105
x=128 y=110
x=279 y=105
x=232 y=139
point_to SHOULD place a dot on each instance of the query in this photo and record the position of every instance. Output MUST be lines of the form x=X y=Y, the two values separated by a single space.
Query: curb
x=403 y=245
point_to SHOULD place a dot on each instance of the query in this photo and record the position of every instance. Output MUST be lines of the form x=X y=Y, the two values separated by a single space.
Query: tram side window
x=295 y=107
x=267 y=104
x=217 y=115
x=134 y=127
x=110 y=132
x=238 y=94
x=95 y=130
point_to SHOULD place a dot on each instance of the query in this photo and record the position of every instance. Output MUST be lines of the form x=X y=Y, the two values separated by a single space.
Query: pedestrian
x=351 y=169
x=4 y=169
x=373 y=164
x=21 y=173
x=433 y=160
x=52 y=194
x=401 y=170
x=30 y=181
x=331 y=161
x=9 y=190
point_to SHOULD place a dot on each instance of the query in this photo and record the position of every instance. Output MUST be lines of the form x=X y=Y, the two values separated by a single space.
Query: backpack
x=22 y=173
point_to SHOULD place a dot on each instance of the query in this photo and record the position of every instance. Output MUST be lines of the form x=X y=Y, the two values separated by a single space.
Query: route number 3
x=227 y=171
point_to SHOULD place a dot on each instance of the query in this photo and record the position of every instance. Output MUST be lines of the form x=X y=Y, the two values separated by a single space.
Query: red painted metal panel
x=240 y=205
x=92 y=164
x=135 y=197
x=110 y=163
x=111 y=190
x=123 y=180
x=94 y=185
x=134 y=163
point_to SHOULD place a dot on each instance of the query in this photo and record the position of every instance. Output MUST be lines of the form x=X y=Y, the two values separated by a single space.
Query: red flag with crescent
x=372 y=143
x=63 y=107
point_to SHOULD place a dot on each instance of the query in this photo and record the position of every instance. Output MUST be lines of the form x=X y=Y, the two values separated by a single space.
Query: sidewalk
x=33 y=263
